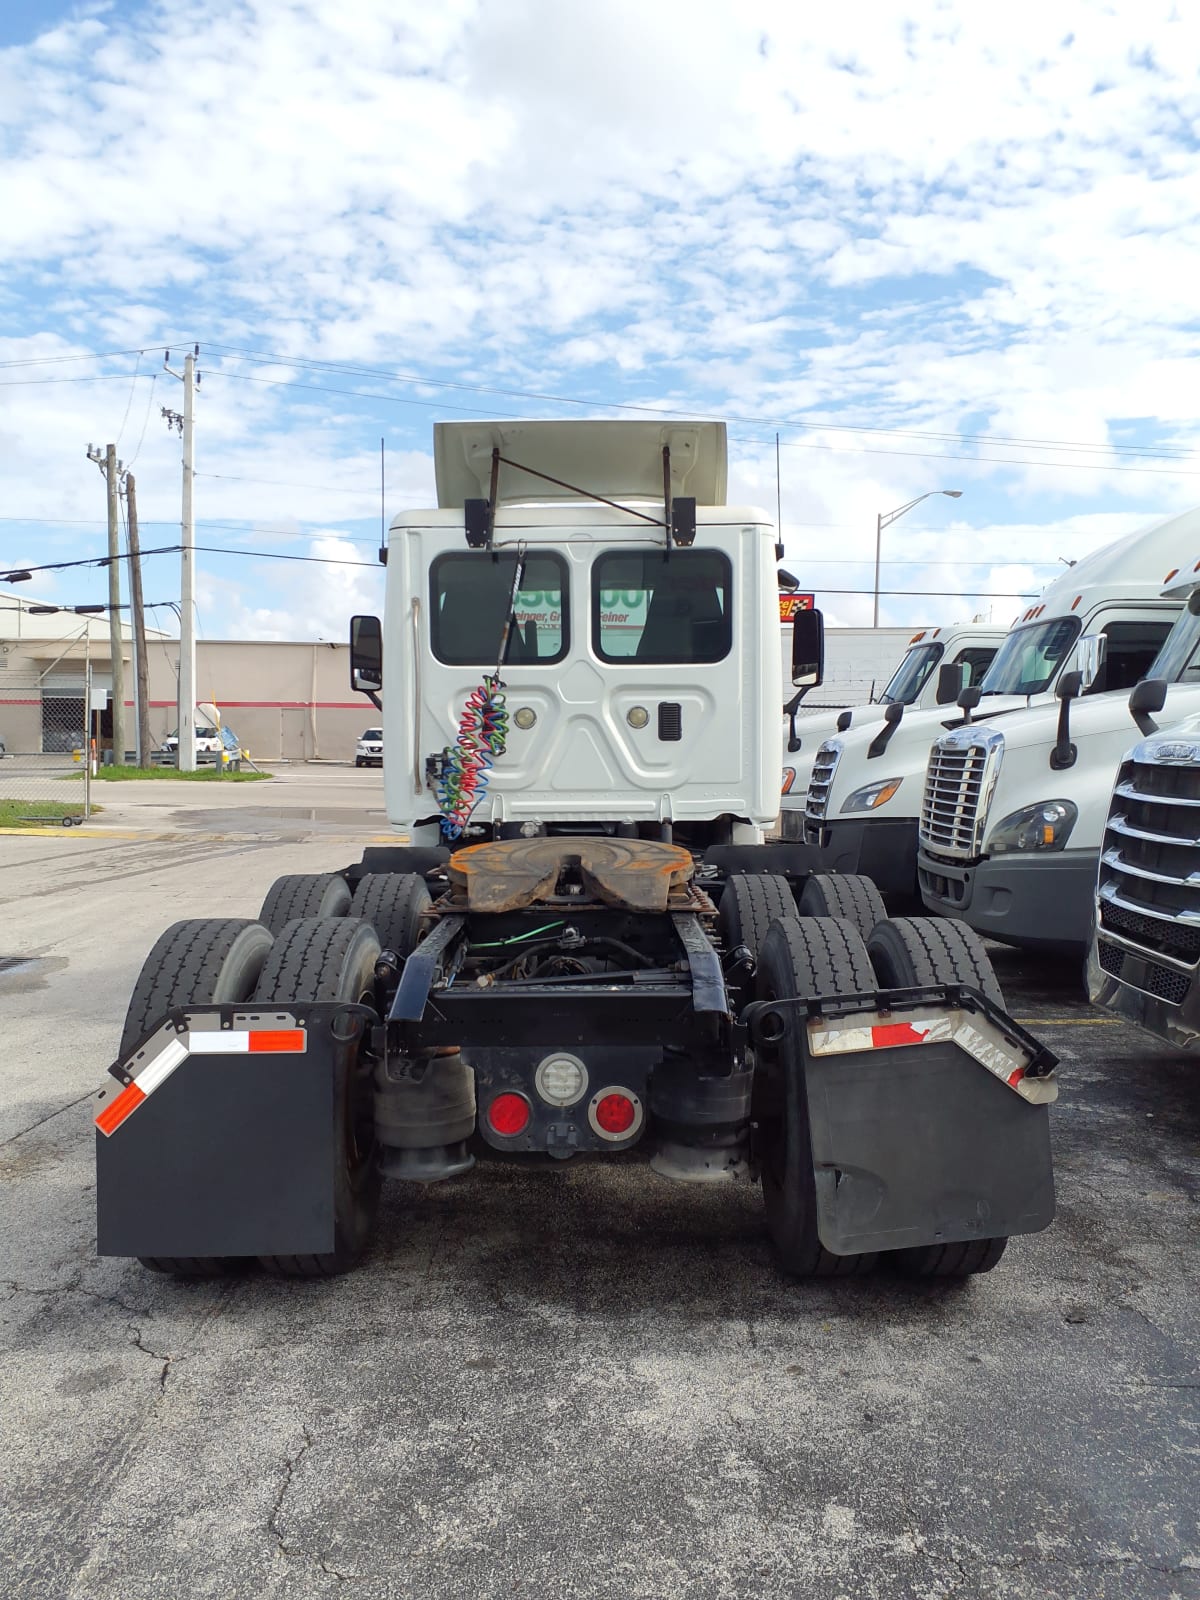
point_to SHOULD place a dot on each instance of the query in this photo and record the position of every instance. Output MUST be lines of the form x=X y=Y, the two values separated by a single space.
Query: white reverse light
x=560 y=1079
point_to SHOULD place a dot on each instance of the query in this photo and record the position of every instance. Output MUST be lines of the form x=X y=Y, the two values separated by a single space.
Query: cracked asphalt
x=581 y=1382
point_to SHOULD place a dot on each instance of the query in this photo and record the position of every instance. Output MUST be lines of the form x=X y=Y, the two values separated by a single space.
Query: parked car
x=210 y=743
x=369 y=750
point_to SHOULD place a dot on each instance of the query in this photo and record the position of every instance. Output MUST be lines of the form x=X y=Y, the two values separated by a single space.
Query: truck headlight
x=872 y=796
x=1045 y=826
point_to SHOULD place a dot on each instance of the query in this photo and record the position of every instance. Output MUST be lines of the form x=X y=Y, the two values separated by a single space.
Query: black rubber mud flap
x=920 y=1143
x=229 y=1153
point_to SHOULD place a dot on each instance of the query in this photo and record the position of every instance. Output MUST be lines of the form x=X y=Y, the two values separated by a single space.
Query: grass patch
x=172 y=775
x=28 y=813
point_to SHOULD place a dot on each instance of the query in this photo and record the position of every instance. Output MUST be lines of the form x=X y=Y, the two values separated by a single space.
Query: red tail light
x=616 y=1113
x=509 y=1114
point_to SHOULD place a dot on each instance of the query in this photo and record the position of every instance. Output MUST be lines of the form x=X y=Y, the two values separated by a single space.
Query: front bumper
x=1041 y=902
x=1156 y=992
x=883 y=849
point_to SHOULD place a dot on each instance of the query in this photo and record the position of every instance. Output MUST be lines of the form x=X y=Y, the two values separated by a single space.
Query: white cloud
x=933 y=218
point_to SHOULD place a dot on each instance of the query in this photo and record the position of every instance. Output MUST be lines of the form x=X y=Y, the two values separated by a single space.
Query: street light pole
x=884 y=519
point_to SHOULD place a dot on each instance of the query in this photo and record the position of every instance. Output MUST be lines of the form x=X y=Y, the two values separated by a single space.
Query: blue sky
x=933 y=245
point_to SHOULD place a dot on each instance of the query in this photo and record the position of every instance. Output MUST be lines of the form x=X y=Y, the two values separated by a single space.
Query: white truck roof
x=1140 y=563
x=615 y=460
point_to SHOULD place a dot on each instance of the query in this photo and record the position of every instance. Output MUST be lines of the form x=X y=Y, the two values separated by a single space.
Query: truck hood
x=906 y=756
x=1094 y=717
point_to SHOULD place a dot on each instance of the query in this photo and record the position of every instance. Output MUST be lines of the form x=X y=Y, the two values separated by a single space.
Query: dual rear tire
x=845 y=946
x=304 y=948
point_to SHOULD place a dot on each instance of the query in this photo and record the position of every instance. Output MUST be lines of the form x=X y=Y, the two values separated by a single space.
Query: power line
x=279 y=483
x=338 y=561
x=129 y=401
x=91 y=355
x=308 y=364
x=1138 y=452
x=34 y=383
x=145 y=419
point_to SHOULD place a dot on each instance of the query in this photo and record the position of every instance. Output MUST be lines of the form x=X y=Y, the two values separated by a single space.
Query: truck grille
x=1149 y=882
x=958 y=786
x=816 y=803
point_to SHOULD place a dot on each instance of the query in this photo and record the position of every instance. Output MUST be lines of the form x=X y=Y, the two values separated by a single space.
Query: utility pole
x=187 y=570
x=108 y=466
x=141 y=661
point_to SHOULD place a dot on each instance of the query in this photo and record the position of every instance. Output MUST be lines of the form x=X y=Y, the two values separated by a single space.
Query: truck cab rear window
x=662 y=609
x=469 y=594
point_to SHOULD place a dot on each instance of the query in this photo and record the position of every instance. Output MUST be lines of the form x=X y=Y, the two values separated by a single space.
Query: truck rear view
x=584 y=948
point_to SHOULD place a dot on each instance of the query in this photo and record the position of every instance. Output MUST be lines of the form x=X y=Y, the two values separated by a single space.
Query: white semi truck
x=937 y=666
x=1013 y=813
x=580 y=945
x=1144 y=958
x=866 y=789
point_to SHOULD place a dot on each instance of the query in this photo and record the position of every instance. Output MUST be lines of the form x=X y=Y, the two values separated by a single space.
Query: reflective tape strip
x=976 y=1035
x=156 y=1071
x=111 y=1118
x=253 y=1041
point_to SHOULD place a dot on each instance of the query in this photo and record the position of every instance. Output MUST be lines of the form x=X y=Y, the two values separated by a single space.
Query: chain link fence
x=45 y=771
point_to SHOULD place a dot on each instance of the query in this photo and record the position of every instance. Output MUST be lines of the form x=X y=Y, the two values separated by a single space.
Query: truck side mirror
x=366 y=656
x=1070 y=687
x=1090 y=654
x=808 y=649
x=953 y=677
x=968 y=699
x=1145 y=698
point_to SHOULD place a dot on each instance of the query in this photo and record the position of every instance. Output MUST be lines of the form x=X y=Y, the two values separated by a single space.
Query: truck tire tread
x=964 y=1259
x=927 y=950
x=393 y=903
x=850 y=896
x=197 y=962
x=305 y=894
x=749 y=905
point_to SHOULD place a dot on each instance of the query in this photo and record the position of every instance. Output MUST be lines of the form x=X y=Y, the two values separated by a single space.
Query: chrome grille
x=816 y=803
x=1149 y=882
x=958 y=786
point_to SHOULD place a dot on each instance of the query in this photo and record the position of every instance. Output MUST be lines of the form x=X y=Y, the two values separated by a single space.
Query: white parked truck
x=937 y=666
x=1144 y=959
x=1014 y=811
x=584 y=947
x=865 y=793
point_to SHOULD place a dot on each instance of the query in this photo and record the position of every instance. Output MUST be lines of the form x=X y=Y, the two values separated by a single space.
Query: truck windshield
x=911 y=676
x=1027 y=661
x=469 y=592
x=1179 y=659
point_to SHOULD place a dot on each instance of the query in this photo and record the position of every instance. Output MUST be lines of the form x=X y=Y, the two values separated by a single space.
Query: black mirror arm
x=1146 y=724
x=891 y=721
x=1064 y=753
x=789 y=712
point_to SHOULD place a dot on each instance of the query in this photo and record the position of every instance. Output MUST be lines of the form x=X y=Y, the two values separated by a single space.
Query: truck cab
x=1144 y=957
x=865 y=794
x=633 y=679
x=937 y=666
x=1013 y=813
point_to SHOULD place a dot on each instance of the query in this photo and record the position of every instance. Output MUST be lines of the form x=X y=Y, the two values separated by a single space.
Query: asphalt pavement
x=580 y=1382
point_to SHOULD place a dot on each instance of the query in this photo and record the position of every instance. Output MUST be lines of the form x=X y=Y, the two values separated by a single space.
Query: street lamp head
x=955 y=494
